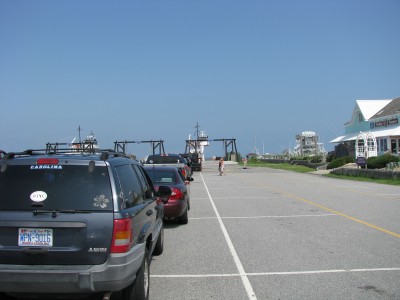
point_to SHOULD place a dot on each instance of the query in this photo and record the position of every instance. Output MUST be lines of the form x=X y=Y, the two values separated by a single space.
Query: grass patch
x=287 y=167
x=302 y=169
x=365 y=179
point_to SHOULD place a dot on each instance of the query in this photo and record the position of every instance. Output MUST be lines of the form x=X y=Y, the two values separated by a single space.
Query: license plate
x=35 y=237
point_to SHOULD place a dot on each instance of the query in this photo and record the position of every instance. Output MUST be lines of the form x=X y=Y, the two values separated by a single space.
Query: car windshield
x=62 y=188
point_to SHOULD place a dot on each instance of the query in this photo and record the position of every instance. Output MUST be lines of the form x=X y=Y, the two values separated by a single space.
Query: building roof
x=376 y=133
x=345 y=138
x=392 y=108
x=374 y=109
x=370 y=107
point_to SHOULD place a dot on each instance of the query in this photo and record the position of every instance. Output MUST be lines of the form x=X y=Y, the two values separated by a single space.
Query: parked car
x=171 y=159
x=2 y=153
x=188 y=162
x=178 y=204
x=195 y=161
x=77 y=224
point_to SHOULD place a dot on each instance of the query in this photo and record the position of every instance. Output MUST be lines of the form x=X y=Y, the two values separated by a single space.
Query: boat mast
x=79 y=130
x=197 y=129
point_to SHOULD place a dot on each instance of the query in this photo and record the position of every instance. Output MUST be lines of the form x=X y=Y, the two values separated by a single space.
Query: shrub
x=316 y=159
x=252 y=160
x=379 y=162
x=339 y=162
x=331 y=156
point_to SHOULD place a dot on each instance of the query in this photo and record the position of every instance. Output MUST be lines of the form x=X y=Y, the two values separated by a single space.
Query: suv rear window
x=153 y=159
x=67 y=187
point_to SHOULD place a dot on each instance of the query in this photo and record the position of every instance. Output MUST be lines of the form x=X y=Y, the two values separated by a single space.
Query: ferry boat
x=197 y=145
x=89 y=143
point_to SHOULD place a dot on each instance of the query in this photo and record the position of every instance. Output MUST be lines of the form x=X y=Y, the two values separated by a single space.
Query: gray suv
x=77 y=223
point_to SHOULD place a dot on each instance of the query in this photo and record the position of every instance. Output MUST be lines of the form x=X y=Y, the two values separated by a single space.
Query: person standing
x=221 y=166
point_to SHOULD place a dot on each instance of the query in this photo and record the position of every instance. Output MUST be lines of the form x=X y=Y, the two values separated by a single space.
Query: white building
x=307 y=144
x=373 y=123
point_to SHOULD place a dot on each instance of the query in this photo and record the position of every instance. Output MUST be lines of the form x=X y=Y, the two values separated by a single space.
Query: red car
x=176 y=207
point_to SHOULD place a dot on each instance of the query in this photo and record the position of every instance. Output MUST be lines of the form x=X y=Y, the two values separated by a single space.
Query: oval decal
x=38 y=196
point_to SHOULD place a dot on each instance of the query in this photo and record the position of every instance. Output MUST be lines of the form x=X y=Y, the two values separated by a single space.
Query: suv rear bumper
x=114 y=275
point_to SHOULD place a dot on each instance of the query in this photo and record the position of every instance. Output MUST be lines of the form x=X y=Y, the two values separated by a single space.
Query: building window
x=382 y=145
x=360 y=117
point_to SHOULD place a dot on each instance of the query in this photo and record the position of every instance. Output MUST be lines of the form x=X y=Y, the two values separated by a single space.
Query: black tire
x=159 y=247
x=184 y=219
x=139 y=289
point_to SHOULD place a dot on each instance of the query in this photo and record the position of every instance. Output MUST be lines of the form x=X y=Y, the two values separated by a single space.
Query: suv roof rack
x=88 y=147
x=54 y=149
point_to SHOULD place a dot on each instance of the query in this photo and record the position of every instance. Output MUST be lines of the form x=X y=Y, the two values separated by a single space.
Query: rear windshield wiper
x=54 y=212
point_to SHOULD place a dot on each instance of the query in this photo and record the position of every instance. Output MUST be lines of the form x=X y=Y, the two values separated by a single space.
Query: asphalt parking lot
x=260 y=233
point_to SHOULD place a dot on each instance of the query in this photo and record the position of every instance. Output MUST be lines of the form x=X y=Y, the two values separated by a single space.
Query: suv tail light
x=122 y=236
x=47 y=161
x=176 y=194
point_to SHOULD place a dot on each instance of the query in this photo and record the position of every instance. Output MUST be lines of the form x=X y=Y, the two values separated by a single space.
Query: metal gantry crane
x=192 y=146
x=155 y=144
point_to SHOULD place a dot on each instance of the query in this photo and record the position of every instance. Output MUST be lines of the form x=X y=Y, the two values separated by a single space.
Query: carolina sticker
x=46 y=167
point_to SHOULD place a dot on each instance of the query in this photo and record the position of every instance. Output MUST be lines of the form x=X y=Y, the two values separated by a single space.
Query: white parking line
x=266 y=217
x=239 y=266
x=247 y=188
x=282 y=273
x=294 y=216
x=246 y=198
x=325 y=272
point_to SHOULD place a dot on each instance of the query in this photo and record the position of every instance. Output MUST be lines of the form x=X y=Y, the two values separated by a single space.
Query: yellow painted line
x=342 y=214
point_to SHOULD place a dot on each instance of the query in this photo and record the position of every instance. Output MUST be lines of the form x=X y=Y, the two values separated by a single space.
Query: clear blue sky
x=257 y=71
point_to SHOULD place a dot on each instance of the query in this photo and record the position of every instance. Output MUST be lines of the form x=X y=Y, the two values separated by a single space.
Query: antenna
x=79 y=130
x=197 y=129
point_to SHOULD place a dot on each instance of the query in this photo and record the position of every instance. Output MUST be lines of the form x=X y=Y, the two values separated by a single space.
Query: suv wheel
x=139 y=289
x=159 y=248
